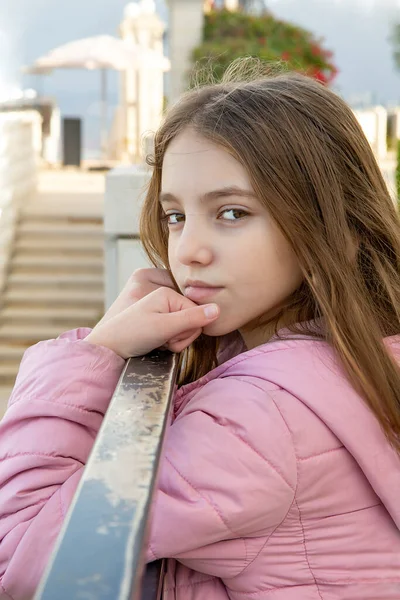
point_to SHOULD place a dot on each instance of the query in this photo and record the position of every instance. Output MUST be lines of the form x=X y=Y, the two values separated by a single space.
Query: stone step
x=8 y=374
x=60 y=280
x=31 y=242
x=55 y=262
x=44 y=214
x=79 y=211
x=30 y=334
x=52 y=296
x=11 y=354
x=5 y=392
x=49 y=218
x=73 y=316
x=59 y=229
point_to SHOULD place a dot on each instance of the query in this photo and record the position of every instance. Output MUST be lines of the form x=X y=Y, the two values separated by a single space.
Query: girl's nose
x=194 y=246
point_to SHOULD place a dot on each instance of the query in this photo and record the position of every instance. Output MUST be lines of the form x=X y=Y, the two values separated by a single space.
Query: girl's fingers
x=141 y=283
x=181 y=318
x=163 y=318
x=194 y=318
x=182 y=341
x=181 y=345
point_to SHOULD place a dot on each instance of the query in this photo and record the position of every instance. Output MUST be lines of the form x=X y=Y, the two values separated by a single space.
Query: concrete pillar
x=142 y=88
x=186 y=23
x=396 y=113
x=381 y=131
x=218 y=4
x=125 y=192
x=232 y=5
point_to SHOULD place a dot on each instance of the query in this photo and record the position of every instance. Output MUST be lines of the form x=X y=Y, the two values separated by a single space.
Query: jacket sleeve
x=229 y=472
x=228 y=469
x=60 y=397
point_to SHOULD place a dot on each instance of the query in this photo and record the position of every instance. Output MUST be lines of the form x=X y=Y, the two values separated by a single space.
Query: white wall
x=19 y=147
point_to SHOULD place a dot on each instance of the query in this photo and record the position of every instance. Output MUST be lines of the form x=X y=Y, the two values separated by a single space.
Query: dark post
x=72 y=141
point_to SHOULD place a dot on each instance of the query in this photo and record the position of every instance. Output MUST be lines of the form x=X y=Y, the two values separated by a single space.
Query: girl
x=281 y=473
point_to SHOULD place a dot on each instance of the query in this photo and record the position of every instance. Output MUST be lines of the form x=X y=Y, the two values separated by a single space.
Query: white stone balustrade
x=374 y=122
x=125 y=192
x=19 y=146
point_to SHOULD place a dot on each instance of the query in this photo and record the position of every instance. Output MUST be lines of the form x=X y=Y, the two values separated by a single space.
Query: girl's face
x=222 y=236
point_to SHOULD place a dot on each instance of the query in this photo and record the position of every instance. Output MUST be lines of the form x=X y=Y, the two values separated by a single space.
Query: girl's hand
x=141 y=283
x=161 y=318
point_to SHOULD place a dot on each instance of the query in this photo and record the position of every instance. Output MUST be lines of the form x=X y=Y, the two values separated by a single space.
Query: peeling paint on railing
x=100 y=552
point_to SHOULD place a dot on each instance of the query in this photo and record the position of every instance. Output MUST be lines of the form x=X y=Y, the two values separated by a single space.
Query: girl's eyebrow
x=226 y=192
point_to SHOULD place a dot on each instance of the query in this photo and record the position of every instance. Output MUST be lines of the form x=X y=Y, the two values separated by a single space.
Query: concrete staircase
x=55 y=283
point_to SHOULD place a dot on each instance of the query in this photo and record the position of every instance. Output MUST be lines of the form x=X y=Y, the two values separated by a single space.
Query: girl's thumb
x=191 y=318
x=211 y=311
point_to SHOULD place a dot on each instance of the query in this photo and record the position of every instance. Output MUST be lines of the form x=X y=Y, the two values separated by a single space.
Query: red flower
x=286 y=55
x=320 y=76
x=315 y=50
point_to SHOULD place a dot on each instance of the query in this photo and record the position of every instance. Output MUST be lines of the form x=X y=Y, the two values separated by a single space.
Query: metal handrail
x=100 y=552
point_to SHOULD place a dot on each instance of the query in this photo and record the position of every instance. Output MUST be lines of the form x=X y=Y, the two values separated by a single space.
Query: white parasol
x=101 y=52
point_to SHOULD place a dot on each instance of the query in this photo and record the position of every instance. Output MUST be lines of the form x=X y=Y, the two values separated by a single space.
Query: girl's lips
x=196 y=294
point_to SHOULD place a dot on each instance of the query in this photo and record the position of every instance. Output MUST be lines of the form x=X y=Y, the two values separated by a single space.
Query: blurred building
x=185 y=33
x=46 y=138
x=142 y=88
x=252 y=6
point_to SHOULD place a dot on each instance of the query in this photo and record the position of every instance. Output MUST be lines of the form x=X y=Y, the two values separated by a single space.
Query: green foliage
x=230 y=35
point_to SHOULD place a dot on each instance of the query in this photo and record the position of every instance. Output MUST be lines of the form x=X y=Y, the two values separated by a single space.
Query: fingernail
x=211 y=311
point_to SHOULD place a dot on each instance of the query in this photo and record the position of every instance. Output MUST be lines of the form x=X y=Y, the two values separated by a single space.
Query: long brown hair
x=312 y=167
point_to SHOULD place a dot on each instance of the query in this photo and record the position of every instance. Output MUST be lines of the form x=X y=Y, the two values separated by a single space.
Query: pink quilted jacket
x=277 y=482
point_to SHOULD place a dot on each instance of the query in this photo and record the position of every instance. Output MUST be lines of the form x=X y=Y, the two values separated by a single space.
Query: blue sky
x=356 y=30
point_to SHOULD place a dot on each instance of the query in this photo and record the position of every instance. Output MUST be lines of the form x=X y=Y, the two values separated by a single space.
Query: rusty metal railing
x=100 y=552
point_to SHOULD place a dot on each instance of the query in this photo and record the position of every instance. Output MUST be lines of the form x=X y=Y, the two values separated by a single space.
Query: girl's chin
x=218 y=329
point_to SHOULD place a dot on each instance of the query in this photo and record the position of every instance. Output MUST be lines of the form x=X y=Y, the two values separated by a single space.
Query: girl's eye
x=173 y=218
x=234 y=214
